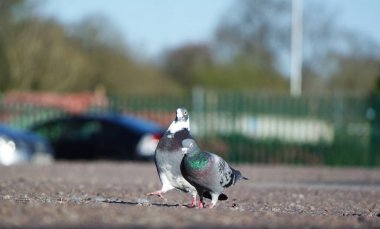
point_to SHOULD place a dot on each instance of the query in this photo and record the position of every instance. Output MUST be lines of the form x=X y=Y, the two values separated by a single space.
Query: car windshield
x=71 y=130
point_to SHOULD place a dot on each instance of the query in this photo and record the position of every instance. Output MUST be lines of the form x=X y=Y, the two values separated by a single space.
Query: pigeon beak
x=184 y=150
x=179 y=115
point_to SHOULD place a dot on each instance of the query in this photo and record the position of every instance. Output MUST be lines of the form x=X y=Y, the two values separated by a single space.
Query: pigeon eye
x=185 y=113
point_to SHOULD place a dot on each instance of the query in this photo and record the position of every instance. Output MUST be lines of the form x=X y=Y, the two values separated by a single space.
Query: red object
x=69 y=102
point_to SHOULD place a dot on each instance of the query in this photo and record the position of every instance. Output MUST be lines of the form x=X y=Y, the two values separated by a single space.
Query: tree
x=355 y=73
x=39 y=54
x=41 y=57
x=194 y=65
x=96 y=31
x=257 y=30
x=243 y=54
x=333 y=58
x=7 y=10
x=183 y=62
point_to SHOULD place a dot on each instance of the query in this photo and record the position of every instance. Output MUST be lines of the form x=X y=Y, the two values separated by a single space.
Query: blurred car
x=107 y=136
x=17 y=146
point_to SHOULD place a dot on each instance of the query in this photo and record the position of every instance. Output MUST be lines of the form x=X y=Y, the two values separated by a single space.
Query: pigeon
x=168 y=157
x=207 y=172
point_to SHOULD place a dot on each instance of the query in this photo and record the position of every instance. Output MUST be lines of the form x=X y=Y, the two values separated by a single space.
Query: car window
x=111 y=132
x=76 y=130
x=82 y=130
x=51 y=131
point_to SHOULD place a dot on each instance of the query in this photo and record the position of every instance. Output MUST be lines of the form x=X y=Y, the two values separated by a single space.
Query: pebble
x=99 y=199
x=7 y=197
x=235 y=206
x=143 y=202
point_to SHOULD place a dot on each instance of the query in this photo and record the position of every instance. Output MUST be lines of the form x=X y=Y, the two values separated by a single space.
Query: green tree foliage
x=183 y=63
x=350 y=66
x=355 y=75
x=7 y=9
x=256 y=38
x=241 y=74
x=243 y=53
x=39 y=54
x=248 y=51
x=195 y=65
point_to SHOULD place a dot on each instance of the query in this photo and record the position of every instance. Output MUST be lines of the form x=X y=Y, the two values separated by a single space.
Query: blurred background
x=266 y=81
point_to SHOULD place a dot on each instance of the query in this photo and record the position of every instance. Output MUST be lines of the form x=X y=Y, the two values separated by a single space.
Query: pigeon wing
x=227 y=177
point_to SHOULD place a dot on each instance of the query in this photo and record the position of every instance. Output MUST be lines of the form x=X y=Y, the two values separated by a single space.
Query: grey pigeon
x=168 y=156
x=207 y=172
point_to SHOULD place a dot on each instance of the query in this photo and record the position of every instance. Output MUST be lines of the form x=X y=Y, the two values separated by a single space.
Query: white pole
x=296 y=49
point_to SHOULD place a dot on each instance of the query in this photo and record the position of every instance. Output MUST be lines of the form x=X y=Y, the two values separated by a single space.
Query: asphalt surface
x=112 y=195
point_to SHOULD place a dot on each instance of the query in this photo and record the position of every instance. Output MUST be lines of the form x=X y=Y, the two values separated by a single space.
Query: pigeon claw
x=156 y=193
x=193 y=203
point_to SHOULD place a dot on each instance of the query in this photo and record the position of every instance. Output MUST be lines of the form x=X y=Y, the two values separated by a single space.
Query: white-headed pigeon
x=168 y=156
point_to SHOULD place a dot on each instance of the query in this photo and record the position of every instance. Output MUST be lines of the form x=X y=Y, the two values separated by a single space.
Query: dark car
x=106 y=136
x=19 y=146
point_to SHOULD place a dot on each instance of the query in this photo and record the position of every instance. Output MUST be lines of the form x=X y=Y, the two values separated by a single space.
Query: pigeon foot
x=192 y=204
x=156 y=193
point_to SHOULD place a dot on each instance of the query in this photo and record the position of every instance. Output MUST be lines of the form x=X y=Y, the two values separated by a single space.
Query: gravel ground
x=112 y=195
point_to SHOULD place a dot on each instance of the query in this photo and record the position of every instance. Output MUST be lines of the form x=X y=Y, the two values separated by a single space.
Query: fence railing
x=254 y=128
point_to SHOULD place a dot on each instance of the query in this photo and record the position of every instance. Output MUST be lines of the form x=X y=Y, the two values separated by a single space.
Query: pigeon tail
x=236 y=176
x=239 y=176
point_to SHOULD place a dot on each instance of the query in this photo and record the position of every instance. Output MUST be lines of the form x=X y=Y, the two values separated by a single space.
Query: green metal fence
x=256 y=128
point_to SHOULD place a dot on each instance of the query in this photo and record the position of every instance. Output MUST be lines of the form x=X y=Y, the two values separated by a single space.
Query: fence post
x=373 y=114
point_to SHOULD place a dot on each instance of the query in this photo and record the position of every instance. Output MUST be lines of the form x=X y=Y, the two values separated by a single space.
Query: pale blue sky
x=153 y=25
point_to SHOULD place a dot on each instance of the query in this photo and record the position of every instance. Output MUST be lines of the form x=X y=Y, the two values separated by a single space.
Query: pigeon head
x=181 y=121
x=182 y=115
x=189 y=146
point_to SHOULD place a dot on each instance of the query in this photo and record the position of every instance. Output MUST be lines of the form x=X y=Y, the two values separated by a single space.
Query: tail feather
x=238 y=176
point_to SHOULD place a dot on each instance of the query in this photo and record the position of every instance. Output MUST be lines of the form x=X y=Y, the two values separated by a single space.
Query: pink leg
x=156 y=193
x=201 y=204
x=211 y=206
x=193 y=202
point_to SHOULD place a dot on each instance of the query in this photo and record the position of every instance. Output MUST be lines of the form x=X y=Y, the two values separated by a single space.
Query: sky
x=151 y=26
